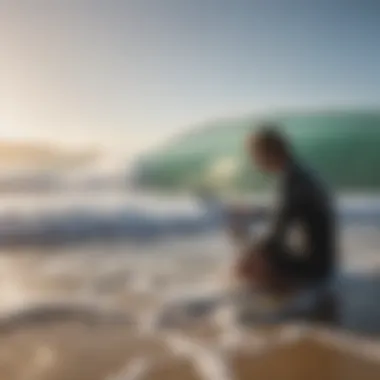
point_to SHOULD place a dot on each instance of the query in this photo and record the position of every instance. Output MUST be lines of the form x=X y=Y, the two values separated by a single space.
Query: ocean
x=84 y=275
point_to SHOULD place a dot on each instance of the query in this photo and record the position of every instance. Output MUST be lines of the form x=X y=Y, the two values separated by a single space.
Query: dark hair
x=270 y=140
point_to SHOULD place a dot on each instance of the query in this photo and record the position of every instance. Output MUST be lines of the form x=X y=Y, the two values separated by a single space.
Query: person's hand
x=252 y=268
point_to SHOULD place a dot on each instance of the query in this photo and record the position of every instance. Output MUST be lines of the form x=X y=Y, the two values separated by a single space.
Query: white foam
x=132 y=371
x=210 y=364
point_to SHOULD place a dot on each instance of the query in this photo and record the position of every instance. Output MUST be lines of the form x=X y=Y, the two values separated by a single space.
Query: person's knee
x=252 y=266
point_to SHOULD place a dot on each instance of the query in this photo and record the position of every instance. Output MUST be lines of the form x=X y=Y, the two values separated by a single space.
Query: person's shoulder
x=298 y=174
x=305 y=174
x=309 y=180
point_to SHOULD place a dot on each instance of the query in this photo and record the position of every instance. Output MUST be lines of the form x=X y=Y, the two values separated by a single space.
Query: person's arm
x=282 y=218
x=293 y=198
x=279 y=238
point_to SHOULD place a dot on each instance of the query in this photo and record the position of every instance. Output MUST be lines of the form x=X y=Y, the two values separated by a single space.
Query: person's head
x=269 y=149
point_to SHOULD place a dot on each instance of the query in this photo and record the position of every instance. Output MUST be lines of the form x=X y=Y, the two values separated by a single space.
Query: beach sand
x=106 y=315
x=76 y=352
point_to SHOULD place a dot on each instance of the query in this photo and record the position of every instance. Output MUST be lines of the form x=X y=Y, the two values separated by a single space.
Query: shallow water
x=166 y=288
x=117 y=275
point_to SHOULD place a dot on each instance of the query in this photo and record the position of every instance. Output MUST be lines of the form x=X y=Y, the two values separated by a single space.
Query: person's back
x=300 y=246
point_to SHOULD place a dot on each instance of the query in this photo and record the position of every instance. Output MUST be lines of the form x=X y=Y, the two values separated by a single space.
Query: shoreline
x=71 y=351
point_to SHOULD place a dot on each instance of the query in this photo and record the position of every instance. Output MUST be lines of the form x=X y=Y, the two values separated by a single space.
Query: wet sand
x=110 y=314
x=75 y=352
x=74 y=343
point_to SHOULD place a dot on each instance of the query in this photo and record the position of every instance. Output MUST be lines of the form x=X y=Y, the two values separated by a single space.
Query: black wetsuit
x=307 y=204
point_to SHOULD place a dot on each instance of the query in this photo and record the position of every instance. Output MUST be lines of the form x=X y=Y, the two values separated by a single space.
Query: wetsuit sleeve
x=283 y=217
x=279 y=252
x=287 y=211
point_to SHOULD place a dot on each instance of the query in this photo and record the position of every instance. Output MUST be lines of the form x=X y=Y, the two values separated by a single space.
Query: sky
x=125 y=75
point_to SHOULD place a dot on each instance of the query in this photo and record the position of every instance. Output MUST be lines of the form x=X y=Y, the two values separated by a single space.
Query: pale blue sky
x=126 y=74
